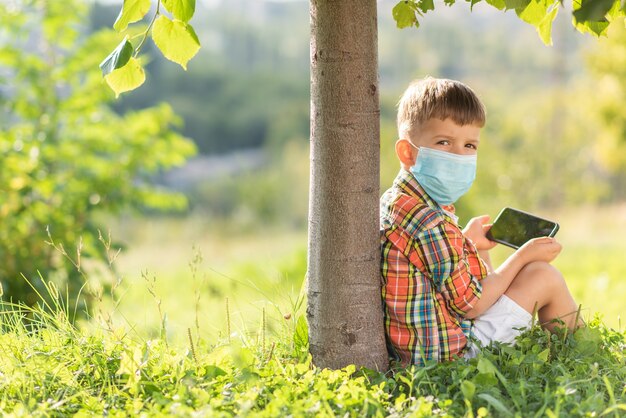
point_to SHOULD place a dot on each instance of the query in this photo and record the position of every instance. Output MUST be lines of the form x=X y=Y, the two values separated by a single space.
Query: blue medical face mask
x=445 y=176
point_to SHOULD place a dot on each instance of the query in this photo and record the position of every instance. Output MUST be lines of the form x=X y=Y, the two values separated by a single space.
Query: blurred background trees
x=604 y=99
x=248 y=90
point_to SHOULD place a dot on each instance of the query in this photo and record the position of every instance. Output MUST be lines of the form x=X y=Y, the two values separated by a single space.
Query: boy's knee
x=539 y=267
x=542 y=274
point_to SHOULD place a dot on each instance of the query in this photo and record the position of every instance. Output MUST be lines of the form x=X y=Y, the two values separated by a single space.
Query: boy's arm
x=496 y=283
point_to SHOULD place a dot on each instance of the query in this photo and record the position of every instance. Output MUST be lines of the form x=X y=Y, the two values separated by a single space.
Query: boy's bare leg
x=541 y=284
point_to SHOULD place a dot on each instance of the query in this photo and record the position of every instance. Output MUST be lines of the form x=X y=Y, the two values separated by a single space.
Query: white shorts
x=499 y=323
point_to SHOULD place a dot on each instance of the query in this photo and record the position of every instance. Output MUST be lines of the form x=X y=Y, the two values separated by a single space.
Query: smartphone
x=514 y=228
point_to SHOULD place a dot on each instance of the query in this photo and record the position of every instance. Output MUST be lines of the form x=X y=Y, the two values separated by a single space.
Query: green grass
x=50 y=368
x=209 y=322
x=197 y=271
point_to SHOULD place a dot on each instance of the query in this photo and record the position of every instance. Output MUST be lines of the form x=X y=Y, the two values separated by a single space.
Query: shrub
x=65 y=155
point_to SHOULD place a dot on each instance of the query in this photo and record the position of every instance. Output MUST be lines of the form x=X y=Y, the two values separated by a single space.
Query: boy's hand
x=476 y=230
x=540 y=249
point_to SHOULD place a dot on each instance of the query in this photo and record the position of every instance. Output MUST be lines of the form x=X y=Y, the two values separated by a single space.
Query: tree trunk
x=344 y=302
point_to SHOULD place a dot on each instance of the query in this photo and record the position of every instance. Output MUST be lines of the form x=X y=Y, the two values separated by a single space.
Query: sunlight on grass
x=197 y=272
x=195 y=269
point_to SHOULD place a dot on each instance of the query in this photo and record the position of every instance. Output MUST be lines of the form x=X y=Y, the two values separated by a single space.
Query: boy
x=439 y=287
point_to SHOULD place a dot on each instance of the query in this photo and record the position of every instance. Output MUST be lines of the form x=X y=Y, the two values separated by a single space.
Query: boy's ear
x=406 y=153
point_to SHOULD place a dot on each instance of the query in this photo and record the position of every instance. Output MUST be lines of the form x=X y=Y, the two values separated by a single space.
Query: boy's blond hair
x=430 y=98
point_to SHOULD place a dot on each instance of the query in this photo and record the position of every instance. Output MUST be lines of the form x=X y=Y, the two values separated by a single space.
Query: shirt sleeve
x=448 y=264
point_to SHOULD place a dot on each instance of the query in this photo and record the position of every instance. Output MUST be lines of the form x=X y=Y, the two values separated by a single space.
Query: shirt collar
x=407 y=183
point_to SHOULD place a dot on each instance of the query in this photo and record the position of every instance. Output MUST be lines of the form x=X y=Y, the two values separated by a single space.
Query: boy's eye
x=472 y=146
x=443 y=142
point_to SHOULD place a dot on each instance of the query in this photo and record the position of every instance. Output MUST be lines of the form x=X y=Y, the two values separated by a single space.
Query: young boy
x=439 y=287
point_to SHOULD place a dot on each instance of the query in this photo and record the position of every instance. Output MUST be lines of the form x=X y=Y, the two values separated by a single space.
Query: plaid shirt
x=430 y=275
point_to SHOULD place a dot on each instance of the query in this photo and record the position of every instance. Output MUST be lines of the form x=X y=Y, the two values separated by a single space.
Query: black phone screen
x=514 y=228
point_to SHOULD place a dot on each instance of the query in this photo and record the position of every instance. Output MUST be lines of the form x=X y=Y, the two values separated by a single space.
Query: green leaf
x=497 y=404
x=541 y=14
x=545 y=26
x=587 y=341
x=595 y=28
x=618 y=9
x=426 y=5
x=180 y=9
x=498 y=4
x=534 y=12
x=220 y=357
x=516 y=4
x=592 y=10
x=485 y=379
x=211 y=372
x=620 y=406
x=472 y=3
x=132 y=11
x=485 y=366
x=241 y=357
x=126 y=78
x=118 y=58
x=468 y=389
x=404 y=15
x=301 y=333
x=176 y=39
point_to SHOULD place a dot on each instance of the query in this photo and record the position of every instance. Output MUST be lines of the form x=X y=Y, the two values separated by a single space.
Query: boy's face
x=443 y=135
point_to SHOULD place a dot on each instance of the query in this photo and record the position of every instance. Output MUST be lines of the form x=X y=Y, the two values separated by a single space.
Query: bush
x=65 y=155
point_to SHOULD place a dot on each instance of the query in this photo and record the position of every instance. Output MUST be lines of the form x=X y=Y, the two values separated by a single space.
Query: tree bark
x=344 y=302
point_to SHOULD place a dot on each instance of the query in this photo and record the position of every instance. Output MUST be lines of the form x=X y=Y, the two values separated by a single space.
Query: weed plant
x=50 y=367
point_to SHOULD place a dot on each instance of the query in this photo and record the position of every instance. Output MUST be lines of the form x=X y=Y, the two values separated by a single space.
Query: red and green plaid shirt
x=430 y=275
